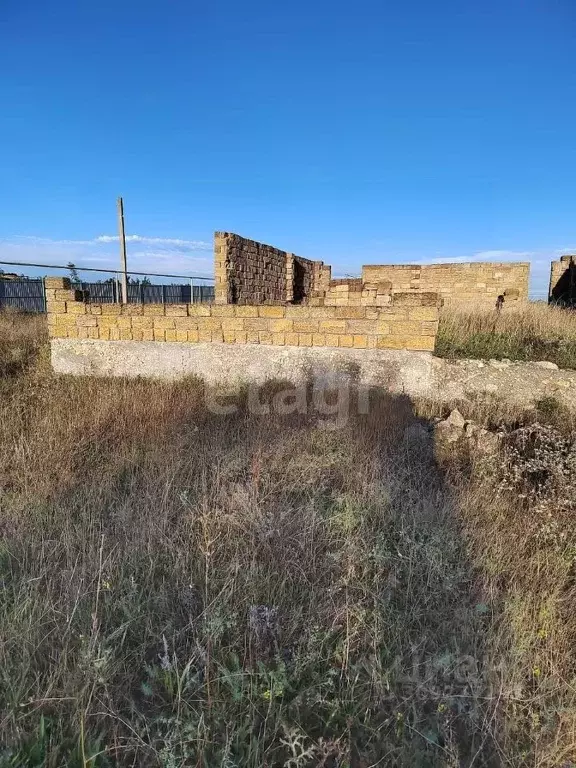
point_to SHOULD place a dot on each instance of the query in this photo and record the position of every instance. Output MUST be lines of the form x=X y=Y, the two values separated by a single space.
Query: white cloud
x=145 y=254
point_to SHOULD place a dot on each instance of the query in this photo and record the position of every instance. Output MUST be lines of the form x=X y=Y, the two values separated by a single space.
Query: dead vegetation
x=532 y=331
x=186 y=589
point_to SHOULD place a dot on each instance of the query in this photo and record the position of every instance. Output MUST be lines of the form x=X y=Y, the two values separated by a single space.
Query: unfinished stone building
x=276 y=315
x=562 y=288
x=248 y=272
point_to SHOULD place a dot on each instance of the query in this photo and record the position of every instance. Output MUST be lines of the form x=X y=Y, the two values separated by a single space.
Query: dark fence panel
x=28 y=295
x=22 y=295
x=103 y=293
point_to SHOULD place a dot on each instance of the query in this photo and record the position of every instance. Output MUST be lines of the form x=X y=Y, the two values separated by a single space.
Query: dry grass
x=184 y=589
x=534 y=331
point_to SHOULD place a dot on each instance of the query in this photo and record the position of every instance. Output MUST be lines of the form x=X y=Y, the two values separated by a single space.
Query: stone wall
x=471 y=282
x=563 y=280
x=350 y=292
x=249 y=272
x=410 y=321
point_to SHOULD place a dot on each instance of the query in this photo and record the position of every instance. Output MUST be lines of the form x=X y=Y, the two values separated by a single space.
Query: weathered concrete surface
x=519 y=384
x=416 y=374
x=398 y=370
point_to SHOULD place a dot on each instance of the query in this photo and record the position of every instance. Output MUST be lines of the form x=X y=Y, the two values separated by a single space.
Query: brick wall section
x=410 y=321
x=248 y=272
x=563 y=279
x=472 y=282
x=353 y=292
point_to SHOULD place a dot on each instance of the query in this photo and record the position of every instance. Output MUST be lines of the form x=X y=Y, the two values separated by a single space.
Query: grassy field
x=185 y=589
x=533 y=331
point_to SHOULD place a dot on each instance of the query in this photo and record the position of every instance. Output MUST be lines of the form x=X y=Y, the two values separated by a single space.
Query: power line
x=108 y=271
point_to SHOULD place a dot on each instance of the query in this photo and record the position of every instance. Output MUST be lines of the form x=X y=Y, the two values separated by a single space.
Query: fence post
x=163 y=294
x=44 y=307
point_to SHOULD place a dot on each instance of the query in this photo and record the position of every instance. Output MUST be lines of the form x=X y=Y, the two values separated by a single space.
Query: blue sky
x=364 y=132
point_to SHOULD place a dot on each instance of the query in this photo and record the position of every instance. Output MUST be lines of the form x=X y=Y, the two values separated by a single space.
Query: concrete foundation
x=403 y=371
x=416 y=374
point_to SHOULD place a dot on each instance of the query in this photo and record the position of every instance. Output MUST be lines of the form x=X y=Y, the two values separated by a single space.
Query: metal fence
x=28 y=295
x=147 y=293
x=23 y=295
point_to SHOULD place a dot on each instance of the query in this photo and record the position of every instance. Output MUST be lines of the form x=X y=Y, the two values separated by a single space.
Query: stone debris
x=547 y=365
x=455 y=428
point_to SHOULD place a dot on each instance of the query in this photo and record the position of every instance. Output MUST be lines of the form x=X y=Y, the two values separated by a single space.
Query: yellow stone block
x=224 y=310
x=110 y=309
x=57 y=282
x=93 y=333
x=229 y=337
x=256 y=324
x=176 y=310
x=240 y=337
x=232 y=324
x=193 y=336
x=204 y=336
x=62 y=295
x=429 y=328
x=164 y=323
x=72 y=333
x=405 y=328
x=306 y=326
x=252 y=337
x=104 y=333
x=199 y=310
x=346 y=340
x=209 y=324
x=156 y=310
x=350 y=313
x=143 y=322
x=181 y=335
x=321 y=313
x=125 y=334
x=55 y=307
x=217 y=337
x=114 y=334
x=159 y=334
x=271 y=311
x=304 y=339
x=333 y=326
x=170 y=334
x=281 y=326
x=86 y=320
x=279 y=339
x=423 y=313
x=332 y=340
x=246 y=311
x=291 y=339
x=360 y=341
x=318 y=340
x=264 y=337
x=358 y=326
x=124 y=322
x=75 y=308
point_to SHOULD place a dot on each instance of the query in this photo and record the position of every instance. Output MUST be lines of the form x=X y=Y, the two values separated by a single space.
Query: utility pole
x=122 y=236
